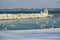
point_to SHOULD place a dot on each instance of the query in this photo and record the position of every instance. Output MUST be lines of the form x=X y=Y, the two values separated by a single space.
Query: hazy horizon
x=29 y=3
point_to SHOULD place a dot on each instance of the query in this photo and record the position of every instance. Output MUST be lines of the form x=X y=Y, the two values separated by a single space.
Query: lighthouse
x=46 y=11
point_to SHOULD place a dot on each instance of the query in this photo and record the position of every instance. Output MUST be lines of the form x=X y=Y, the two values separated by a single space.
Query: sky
x=29 y=3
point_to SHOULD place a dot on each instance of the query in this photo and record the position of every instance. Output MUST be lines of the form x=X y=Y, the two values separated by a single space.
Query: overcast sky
x=29 y=3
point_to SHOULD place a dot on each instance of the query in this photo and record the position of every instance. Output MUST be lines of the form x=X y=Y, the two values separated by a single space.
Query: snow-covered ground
x=36 y=34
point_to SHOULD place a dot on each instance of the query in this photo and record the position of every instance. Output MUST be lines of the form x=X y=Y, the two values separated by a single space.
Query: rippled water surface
x=36 y=23
x=28 y=24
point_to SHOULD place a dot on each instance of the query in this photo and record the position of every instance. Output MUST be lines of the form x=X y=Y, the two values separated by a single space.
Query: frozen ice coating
x=23 y=16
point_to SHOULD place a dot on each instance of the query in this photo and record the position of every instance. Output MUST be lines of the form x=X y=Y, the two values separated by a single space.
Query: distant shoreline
x=26 y=10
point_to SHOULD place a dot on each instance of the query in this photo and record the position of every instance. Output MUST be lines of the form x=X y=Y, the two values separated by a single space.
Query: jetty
x=22 y=16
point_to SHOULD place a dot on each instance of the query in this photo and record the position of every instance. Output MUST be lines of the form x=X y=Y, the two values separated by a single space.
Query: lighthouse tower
x=46 y=11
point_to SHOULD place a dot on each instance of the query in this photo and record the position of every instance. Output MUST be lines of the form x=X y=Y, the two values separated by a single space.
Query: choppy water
x=37 y=23
x=30 y=24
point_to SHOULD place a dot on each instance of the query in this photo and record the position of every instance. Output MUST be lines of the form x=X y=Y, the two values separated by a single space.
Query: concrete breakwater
x=19 y=16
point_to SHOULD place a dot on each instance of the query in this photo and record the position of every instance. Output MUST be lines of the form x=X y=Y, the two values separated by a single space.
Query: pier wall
x=19 y=16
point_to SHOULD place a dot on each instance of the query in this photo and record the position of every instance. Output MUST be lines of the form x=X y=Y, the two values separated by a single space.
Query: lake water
x=25 y=24
x=28 y=24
